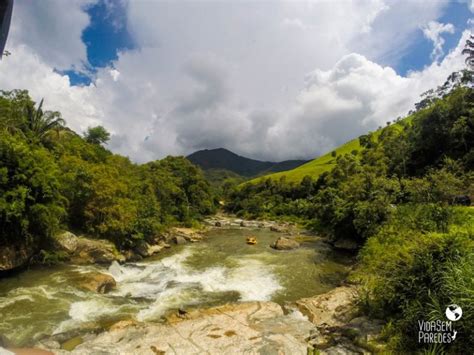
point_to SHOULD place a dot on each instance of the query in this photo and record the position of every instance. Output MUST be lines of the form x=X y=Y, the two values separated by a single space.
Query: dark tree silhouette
x=469 y=50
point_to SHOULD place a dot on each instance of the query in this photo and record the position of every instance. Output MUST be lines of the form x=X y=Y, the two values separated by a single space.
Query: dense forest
x=52 y=178
x=400 y=199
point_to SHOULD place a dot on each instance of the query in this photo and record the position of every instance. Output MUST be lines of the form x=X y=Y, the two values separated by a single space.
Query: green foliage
x=315 y=167
x=30 y=199
x=51 y=179
x=97 y=135
x=412 y=272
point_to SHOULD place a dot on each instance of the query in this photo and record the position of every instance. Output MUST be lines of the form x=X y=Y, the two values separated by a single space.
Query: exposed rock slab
x=188 y=234
x=331 y=308
x=338 y=329
x=246 y=328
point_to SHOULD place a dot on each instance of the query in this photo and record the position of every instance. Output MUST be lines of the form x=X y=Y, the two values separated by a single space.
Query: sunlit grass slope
x=324 y=163
x=315 y=167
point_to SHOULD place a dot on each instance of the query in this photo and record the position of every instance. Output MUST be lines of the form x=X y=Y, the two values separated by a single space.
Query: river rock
x=331 y=308
x=188 y=234
x=14 y=256
x=179 y=240
x=142 y=249
x=123 y=324
x=278 y=229
x=337 y=330
x=245 y=328
x=283 y=243
x=96 y=251
x=156 y=248
x=97 y=282
x=66 y=241
x=218 y=224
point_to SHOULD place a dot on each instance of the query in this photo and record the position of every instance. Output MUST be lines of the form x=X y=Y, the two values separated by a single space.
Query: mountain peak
x=222 y=158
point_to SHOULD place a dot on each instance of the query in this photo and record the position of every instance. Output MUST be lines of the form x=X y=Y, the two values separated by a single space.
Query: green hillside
x=315 y=167
x=326 y=162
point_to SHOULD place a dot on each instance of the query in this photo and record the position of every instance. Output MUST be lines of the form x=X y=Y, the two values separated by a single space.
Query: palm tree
x=39 y=123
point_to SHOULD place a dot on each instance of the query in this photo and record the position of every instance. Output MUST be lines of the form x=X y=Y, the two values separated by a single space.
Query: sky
x=269 y=80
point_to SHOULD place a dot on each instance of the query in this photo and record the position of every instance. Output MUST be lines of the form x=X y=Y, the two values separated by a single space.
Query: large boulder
x=66 y=241
x=283 y=243
x=179 y=240
x=87 y=250
x=14 y=256
x=96 y=251
x=97 y=282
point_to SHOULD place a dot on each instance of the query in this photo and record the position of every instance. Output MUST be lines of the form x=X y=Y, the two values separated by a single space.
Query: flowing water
x=221 y=269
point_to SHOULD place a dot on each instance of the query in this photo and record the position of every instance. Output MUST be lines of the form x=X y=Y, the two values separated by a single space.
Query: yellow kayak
x=251 y=240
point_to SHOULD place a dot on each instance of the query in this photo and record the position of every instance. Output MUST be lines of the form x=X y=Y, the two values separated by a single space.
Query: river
x=222 y=268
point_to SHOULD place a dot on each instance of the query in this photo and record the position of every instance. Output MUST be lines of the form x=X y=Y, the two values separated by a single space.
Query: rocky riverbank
x=324 y=324
x=80 y=249
x=327 y=322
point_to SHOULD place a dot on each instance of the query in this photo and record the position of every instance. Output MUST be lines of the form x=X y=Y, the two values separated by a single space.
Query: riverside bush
x=410 y=275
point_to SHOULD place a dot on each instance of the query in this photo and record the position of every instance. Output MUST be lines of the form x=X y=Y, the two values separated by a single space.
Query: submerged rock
x=97 y=282
x=283 y=243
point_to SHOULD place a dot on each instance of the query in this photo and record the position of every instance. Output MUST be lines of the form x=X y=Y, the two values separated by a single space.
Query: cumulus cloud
x=222 y=75
x=433 y=31
x=53 y=30
x=25 y=69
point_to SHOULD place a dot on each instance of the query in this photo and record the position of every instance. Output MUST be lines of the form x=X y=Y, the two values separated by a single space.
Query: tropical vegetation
x=52 y=178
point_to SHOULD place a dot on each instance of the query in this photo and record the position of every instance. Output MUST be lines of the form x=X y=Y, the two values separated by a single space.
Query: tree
x=40 y=123
x=469 y=50
x=97 y=135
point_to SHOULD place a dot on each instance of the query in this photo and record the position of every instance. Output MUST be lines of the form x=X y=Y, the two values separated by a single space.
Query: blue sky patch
x=106 y=35
x=419 y=55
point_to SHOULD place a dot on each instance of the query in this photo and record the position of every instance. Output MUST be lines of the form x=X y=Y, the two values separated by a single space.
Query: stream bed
x=220 y=269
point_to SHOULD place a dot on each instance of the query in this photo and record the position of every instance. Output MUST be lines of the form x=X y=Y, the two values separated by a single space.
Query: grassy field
x=315 y=167
x=326 y=162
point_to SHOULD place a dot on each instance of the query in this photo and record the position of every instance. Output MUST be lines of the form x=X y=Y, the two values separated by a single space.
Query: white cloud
x=25 y=69
x=53 y=30
x=115 y=74
x=217 y=74
x=433 y=31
